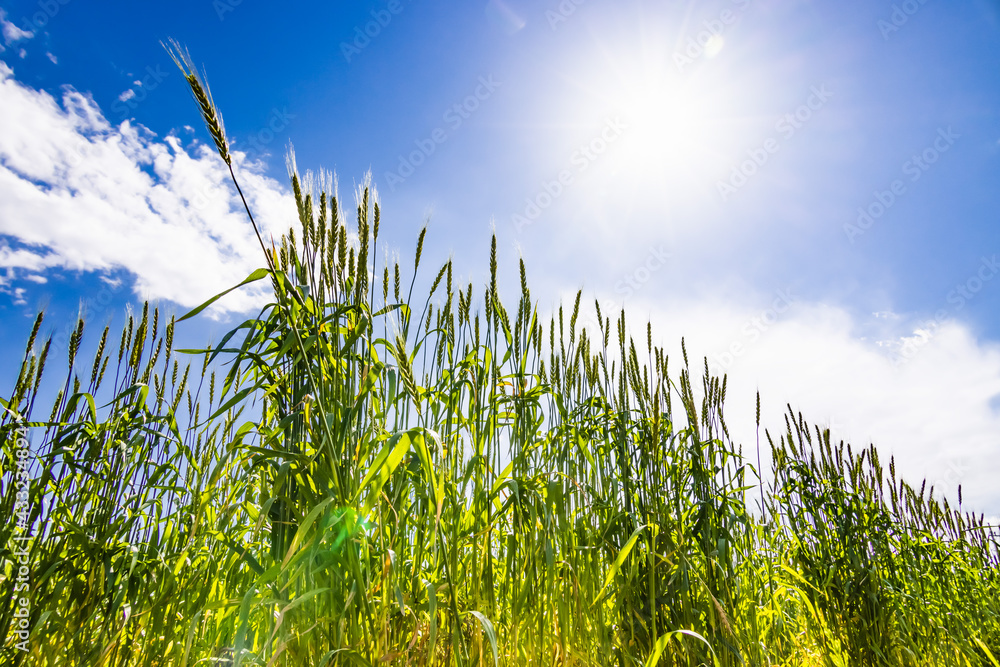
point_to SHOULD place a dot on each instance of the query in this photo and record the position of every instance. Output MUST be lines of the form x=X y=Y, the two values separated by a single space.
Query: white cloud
x=935 y=412
x=51 y=56
x=127 y=95
x=25 y=259
x=81 y=194
x=11 y=33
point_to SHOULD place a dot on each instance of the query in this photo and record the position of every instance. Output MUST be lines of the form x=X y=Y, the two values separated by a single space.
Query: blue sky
x=806 y=191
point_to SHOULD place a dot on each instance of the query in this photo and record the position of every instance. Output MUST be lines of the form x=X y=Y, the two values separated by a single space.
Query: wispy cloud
x=79 y=193
x=11 y=33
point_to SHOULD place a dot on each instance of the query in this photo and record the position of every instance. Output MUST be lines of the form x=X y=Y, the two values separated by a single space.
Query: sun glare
x=668 y=126
x=682 y=129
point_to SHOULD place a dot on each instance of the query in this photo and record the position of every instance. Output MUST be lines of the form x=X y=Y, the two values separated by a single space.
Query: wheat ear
x=202 y=95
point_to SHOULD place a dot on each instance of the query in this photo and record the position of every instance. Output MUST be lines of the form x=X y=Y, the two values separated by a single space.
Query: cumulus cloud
x=79 y=193
x=933 y=407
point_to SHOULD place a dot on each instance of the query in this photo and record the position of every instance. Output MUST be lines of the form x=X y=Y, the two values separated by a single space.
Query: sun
x=682 y=126
x=669 y=123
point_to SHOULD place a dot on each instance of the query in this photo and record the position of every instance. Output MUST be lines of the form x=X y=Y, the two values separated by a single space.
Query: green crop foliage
x=361 y=475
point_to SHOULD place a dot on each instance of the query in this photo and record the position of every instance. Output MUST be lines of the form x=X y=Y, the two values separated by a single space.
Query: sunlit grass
x=362 y=475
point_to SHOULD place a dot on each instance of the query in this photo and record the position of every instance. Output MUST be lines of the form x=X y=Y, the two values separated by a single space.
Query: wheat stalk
x=202 y=95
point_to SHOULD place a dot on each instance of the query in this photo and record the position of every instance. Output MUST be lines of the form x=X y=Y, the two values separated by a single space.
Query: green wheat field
x=364 y=475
